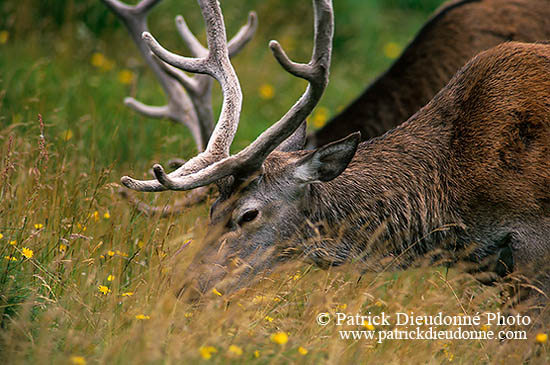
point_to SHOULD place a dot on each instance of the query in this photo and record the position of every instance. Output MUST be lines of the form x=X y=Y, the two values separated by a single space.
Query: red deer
x=468 y=174
x=459 y=30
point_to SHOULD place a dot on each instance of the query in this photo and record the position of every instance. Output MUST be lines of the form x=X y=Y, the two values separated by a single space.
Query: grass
x=99 y=286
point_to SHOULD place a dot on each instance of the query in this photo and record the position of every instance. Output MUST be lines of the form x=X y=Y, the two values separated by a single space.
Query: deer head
x=259 y=222
x=242 y=218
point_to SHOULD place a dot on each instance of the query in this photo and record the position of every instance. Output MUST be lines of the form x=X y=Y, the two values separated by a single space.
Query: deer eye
x=248 y=216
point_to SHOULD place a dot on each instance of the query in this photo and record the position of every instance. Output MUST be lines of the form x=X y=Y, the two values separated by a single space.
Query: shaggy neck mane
x=391 y=198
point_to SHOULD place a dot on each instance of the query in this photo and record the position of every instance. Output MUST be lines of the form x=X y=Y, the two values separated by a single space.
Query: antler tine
x=179 y=207
x=199 y=87
x=244 y=35
x=316 y=72
x=196 y=48
x=194 y=111
x=192 y=84
x=216 y=64
x=179 y=108
x=251 y=158
x=235 y=45
x=145 y=5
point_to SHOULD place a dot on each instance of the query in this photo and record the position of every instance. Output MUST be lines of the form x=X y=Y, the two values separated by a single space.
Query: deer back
x=458 y=31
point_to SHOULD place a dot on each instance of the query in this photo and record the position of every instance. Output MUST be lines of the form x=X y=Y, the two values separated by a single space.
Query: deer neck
x=393 y=197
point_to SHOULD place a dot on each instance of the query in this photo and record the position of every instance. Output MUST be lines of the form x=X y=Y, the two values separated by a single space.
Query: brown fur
x=457 y=31
x=468 y=175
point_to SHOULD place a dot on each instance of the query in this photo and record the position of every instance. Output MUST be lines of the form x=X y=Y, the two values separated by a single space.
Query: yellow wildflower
x=266 y=91
x=66 y=135
x=38 y=226
x=98 y=59
x=104 y=289
x=110 y=278
x=142 y=317
x=320 y=117
x=13 y=243
x=62 y=247
x=258 y=299
x=302 y=350
x=125 y=77
x=392 y=50
x=81 y=227
x=120 y=253
x=279 y=338
x=27 y=252
x=215 y=291
x=10 y=258
x=110 y=253
x=106 y=215
x=378 y=303
x=4 y=36
x=368 y=326
x=78 y=360
x=256 y=354
x=342 y=306
x=541 y=337
x=1 y=236
x=140 y=244
x=235 y=350
x=95 y=215
x=484 y=328
x=128 y=294
x=269 y=319
x=207 y=351
x=188 y=314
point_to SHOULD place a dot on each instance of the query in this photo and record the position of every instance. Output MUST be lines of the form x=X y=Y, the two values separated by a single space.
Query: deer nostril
x=248 y=216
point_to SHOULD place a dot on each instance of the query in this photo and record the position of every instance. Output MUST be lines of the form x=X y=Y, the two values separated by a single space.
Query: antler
x=194 y=108
x=215 y=163
x=178 y=207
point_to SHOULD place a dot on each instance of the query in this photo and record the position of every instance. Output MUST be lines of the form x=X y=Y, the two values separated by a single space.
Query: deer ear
x=296 y=141
x=327 y=162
